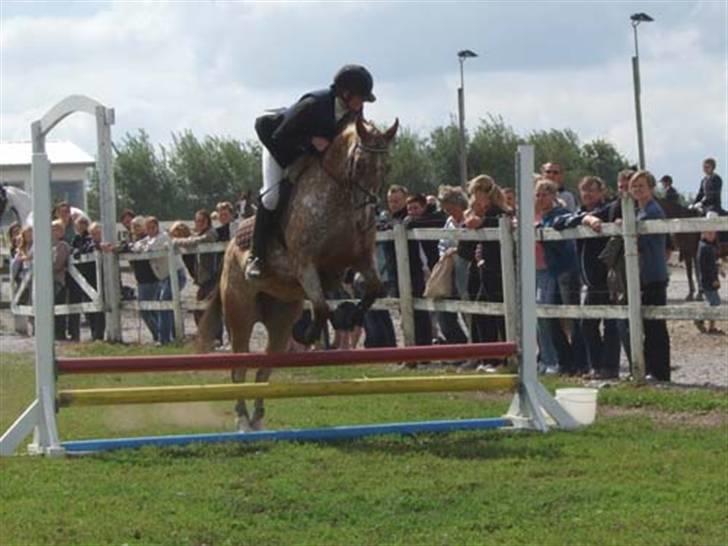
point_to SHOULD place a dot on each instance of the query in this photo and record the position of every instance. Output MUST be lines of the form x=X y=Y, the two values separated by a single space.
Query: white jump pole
x=532 y=402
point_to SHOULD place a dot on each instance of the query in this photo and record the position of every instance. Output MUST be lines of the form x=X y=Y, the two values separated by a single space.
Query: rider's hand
x=320 y=143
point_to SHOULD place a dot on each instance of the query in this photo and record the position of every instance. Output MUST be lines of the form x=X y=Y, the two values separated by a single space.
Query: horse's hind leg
x=311 y=282
x=278 y=320
x=689 y=271
x=240 y=320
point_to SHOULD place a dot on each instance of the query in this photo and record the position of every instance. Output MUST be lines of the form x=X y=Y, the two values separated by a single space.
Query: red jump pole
x=226 y=361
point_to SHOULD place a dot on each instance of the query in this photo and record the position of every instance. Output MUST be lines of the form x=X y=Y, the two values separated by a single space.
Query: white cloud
x=213 y=66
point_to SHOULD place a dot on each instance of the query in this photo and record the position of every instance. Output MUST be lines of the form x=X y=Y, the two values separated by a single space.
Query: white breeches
x=272 y=175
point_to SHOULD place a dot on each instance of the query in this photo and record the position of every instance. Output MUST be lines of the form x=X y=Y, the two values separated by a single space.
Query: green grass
x=630 y=479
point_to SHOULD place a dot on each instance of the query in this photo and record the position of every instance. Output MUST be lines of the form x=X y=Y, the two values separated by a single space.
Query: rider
x=307 y=127
x=708 y=198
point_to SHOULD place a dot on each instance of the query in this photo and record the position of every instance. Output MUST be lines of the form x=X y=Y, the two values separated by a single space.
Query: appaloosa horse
x=328 y=227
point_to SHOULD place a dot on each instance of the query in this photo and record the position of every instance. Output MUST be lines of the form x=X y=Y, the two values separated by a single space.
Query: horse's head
x=368 y=157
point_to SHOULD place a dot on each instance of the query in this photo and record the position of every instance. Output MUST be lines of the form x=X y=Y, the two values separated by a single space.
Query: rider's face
x=354 y=103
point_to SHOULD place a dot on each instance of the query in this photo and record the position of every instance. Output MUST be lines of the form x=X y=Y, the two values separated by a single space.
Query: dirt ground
x=697 y=359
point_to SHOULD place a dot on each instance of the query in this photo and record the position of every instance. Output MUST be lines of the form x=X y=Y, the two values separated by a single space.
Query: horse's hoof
x=689 y=297
x=312 y=334
x=258 y=424
x=244 y=425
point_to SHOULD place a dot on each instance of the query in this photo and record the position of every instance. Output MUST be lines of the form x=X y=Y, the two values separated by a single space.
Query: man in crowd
x=554 y=172
x=423 y=256
x=670 y=193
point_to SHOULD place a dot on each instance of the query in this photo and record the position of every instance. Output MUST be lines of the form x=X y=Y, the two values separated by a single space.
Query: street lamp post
x=462 y=56
x=636 y=19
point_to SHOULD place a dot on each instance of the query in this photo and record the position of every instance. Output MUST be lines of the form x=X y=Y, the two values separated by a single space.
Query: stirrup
x=254 y=268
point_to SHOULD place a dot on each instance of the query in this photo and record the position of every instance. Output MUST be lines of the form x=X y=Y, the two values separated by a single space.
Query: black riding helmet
x=356 y=80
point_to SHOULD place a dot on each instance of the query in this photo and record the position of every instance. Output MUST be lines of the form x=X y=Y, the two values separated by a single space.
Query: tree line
x=174 y=181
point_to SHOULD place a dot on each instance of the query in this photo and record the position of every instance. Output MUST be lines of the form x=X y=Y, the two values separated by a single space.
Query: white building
x=70 y=169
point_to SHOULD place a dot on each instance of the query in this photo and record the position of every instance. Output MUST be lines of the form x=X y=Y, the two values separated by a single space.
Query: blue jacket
x=560 y=255
x=653 y=260
x=593 y=271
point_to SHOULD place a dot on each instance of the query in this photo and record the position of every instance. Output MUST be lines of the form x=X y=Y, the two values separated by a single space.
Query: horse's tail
x=210 y=323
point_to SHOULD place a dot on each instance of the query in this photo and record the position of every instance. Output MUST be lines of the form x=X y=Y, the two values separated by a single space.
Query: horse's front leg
x=311 y=282
x=373 y=289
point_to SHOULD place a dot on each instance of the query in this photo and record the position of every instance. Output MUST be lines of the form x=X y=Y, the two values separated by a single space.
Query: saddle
x=244 y=234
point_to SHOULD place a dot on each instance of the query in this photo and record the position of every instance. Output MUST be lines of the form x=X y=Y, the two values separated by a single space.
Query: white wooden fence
x=406 y=304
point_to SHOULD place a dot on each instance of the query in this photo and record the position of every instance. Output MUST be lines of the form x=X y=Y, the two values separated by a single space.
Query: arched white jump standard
x=40 y=417
x=529 y=409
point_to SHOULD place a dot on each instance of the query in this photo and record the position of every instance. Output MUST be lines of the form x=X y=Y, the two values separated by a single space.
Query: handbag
x=439 y=285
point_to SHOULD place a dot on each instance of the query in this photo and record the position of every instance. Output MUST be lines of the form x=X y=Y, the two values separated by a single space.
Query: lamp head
x=638 y=18
x=466 y=54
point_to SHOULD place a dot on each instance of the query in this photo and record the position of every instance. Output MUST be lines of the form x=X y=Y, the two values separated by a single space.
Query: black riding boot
x=264 y=220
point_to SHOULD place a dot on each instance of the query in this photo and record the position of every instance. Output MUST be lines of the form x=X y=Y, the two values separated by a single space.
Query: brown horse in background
x=687 y=243
x=328 y=227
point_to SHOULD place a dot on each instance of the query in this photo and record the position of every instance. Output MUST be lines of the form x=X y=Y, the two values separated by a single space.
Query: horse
x=15 y=206
x=328 y=227
x=687 y=243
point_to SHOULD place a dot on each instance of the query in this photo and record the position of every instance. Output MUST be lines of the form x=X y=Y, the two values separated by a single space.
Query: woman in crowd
x=21 y=265
x=487 y=205
x=653 y=276
x=204 y=272
x=147 y=282
x=157 y=239
x=14 y=238
x=453 y=202
x=551 y=259
x=86 y=242
x=61 y=251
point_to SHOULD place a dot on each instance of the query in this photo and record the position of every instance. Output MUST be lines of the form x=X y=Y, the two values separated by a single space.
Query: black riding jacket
x=287 y=135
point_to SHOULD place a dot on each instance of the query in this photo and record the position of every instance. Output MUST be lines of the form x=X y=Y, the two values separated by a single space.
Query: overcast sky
x=211 y=66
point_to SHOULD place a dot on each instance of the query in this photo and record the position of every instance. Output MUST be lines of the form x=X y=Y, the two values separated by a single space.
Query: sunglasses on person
x=552 y=172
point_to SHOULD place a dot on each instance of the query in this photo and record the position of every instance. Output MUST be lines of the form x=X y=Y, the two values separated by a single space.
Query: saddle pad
x=244 y=234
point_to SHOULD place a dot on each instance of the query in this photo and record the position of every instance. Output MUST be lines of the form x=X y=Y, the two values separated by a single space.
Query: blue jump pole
x=293 y=435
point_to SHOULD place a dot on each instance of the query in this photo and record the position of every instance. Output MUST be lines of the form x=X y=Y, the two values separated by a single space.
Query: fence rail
x=406 y=304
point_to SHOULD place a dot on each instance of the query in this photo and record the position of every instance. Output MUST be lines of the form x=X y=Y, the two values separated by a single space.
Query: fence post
x=634 y=296
x=508 y=269
x=406 y=304
x=179 y=321
x=107 y=194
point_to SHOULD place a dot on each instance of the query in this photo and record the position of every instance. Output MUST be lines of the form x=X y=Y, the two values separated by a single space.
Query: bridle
x=369 y=197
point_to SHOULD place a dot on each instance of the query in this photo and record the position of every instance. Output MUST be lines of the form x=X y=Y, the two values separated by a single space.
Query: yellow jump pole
x=198 y=393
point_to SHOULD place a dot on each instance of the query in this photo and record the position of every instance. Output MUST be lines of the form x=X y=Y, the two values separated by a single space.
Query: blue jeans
x=546 y=289
x=166 y=318
x=148 y=291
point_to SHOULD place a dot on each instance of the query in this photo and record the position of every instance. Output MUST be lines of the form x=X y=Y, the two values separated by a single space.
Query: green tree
x=602 y=159
x=443 y=148
x=492 y=151
x=560 y=146
x=409 y=163
x=213 y=170
x=143 y=181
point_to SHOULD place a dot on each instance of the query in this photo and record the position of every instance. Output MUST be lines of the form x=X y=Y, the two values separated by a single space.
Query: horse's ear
x=389 y=135
x=361 y=128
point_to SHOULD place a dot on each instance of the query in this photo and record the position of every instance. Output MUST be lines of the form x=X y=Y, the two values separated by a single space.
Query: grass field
x=653 y=470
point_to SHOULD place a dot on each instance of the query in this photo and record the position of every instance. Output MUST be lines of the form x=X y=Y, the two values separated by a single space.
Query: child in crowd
x=708 y=262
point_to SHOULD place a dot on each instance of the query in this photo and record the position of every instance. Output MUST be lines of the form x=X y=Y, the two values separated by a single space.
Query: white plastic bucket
x=581 y=404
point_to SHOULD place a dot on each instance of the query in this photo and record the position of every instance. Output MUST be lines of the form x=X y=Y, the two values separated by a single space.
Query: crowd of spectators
x=568 y=272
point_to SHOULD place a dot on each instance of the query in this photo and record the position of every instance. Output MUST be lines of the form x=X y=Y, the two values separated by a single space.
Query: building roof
x=63 y=152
